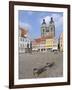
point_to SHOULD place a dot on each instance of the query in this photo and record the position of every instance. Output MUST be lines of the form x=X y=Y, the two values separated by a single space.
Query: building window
x=47 y=30
x=51 y=29
x=43 y=30
x=21 y=39
x=21 y=45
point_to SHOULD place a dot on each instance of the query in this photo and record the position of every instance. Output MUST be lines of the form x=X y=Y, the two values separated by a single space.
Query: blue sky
x=33 y=19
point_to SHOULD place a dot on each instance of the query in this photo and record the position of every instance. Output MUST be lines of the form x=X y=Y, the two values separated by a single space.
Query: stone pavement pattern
x=29 y=61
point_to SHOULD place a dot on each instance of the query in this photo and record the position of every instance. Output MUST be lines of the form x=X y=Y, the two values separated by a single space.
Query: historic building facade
x=23 y=40
x=47 y=40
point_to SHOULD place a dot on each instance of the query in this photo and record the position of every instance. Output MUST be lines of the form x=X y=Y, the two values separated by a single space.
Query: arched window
x=43 y=31
x=51 y=29
x=47 y=30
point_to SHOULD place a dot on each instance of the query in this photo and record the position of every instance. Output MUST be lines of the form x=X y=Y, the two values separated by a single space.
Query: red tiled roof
x=23 y=31
x=41 y=39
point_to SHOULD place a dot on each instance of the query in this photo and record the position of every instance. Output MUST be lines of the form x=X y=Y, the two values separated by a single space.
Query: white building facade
x=23 y=40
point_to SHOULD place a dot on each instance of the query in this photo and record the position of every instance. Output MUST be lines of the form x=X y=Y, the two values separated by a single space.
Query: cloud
x=47 y=19
x=58 y=19
x=25 y=25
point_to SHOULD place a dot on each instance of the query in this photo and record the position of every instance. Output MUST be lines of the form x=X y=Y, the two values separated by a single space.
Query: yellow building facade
x=49 y=43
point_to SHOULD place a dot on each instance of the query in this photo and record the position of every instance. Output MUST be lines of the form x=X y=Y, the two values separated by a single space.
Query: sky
x=32 y=20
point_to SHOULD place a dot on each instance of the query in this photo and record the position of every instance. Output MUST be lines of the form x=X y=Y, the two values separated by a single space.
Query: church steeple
x=43 y=21
x=52 y=27
x=43 y=28
x=51 y=21
x=48 y=29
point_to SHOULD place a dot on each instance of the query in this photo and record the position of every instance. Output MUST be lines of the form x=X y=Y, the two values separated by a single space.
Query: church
x=48 y=29
x=48 y=32
x=47 y=40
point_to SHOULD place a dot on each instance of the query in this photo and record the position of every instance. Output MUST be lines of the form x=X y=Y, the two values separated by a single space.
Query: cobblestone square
x=29 y=61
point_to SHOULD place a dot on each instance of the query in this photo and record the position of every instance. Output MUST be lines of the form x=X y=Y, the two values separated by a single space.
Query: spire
x=43 y=21
x=51 y=21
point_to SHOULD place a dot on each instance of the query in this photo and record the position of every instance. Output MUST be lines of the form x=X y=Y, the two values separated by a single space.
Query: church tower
x=43 y=28
x=48 y=29
x=51 y=28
